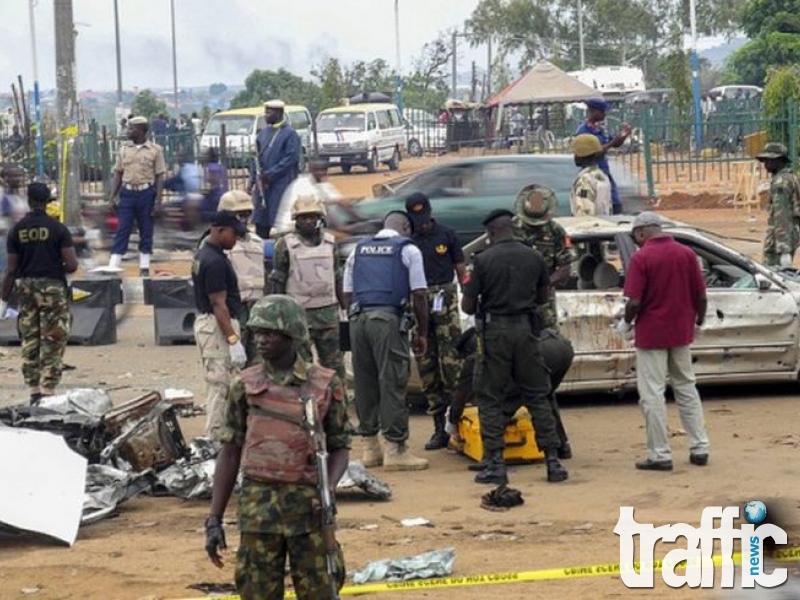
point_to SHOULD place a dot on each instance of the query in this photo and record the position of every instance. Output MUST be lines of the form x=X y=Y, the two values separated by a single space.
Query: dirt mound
x=679 y=201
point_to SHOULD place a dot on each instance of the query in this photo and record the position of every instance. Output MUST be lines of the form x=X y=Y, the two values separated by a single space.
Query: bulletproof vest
x=379 y=276
x=278 y=447
x=312 y=274
x=247 y=258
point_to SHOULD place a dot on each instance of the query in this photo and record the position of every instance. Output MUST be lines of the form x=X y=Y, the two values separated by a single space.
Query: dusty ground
x=153 y=549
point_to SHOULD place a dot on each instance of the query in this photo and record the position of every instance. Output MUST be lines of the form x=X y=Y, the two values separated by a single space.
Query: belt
x=392 y=310
x=438 y=286
x=495 y=318
x=137 y=188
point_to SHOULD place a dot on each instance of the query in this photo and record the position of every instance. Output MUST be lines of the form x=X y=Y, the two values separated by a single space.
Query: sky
x=220 y=40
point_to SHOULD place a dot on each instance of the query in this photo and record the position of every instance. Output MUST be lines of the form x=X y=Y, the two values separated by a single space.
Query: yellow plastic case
x=520 y=439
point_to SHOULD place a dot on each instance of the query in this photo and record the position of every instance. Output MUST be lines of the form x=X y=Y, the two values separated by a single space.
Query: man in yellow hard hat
x=591 y=189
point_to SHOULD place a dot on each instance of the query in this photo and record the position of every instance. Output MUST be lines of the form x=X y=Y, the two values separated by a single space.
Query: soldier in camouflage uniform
x=306 y=266
x=534 y=225
x=783 y=232
x=443 y=259
x=40 y=254
x=591 y=191
x=264 y=435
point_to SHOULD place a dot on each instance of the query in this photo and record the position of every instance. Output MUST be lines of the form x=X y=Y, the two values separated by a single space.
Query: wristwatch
x=232 y=339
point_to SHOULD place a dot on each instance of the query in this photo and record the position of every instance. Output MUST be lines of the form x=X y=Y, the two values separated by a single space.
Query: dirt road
x=154 y=548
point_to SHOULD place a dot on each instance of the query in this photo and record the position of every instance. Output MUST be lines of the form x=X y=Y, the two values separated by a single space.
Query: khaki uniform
x=140 y=164
x=247 y=258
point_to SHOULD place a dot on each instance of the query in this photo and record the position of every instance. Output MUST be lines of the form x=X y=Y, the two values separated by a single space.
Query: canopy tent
x=544 y=83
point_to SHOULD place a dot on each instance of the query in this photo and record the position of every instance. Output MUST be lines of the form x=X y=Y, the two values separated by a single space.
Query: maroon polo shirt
x=665 y=277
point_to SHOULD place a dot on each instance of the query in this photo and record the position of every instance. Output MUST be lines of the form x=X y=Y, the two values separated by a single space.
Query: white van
x=735 y=92
x=242 y=126
x=361 y=134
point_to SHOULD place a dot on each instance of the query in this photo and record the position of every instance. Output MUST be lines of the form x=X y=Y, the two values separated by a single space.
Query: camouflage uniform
x=439 y=366
x=323 y=322
x=533 y=224
x=280 y=519
x=591 y=193
x=43 y=325
x=783 y=233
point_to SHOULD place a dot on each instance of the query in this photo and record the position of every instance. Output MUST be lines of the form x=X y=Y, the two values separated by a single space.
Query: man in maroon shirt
x=666 y=301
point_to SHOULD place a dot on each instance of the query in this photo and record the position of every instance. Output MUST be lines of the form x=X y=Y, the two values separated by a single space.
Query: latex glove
x=238 y=355
x=622 y=327
x=3 y=310
x=215 y=540
x=786 y=260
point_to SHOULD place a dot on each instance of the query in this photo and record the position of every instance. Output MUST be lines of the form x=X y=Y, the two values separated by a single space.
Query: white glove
x=238 y=355
x=786 y=260
x=622 y=327
x=3 y=310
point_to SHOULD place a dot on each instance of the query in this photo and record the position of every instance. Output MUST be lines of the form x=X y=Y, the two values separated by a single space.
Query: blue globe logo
x=755 y=512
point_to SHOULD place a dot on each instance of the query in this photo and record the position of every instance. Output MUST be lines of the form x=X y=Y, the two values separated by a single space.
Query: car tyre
x=414 y=148
x=394 y=162
x=372 y=167
x=346 y=169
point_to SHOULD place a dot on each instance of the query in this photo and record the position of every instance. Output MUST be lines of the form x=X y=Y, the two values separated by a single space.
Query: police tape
x=602 y=570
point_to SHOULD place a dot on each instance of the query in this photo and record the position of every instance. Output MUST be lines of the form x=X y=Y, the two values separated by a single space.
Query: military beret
x=597 y=103
x=137 y=121
x=496 y=214
x=275 y=104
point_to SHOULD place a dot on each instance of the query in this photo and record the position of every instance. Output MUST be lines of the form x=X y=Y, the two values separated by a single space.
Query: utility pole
x=37 y=106
x=119 y=58
x=399 y=76
x=580 y=34
x=174 y=55
x=66 y=94
x=488 y=69
x=454 y=83
x=695 y=66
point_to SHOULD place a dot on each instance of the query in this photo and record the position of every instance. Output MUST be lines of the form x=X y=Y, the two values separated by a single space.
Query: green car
x=463 y=191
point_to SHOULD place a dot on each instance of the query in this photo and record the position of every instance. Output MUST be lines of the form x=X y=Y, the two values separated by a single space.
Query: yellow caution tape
x=603 y=570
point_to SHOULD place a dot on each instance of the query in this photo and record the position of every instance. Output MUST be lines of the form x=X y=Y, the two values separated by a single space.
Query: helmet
x=586 y=144
x=280 y=313
x=308 y=205
x=535 y=204
x=236 y=201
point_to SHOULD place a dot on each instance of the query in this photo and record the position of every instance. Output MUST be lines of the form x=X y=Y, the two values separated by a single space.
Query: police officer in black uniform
x=443 y=258
x=216 y=330
x=508 y=280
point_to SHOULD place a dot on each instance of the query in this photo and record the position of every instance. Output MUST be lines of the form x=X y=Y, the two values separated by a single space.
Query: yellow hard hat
x=236 y=201
x=586 y=144
x=308 y=205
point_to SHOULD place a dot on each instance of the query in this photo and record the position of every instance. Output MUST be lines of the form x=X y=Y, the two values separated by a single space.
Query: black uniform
x=212 y=272
x=507 y=277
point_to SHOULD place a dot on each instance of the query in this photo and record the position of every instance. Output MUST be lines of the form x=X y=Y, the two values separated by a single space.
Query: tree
x=782 y=88
x=147 y=104
x=332 y=87
x=427 y=86
x=261 y=86
x=217 y=89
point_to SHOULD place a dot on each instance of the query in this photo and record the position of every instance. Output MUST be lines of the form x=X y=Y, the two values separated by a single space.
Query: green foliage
x=261 y=86
x=217 y=89
x=781 y=90
x=147 y=104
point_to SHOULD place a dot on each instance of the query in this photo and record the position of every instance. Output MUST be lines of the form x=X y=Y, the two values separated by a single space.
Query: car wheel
x=373 y=162
x=346 y=169
x=394 y=162
x=414 y=148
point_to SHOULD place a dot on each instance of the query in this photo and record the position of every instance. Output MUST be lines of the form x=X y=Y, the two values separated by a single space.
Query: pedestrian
x=314 y=183
x=508 y=280
x=666 y=301
x=247 y=258
x=306 y=266
x=160 y=127
x=13 y=204
x=590 y=194
x=265 y=435
x=557 y=353
x=216 y=330
x=275 y=166
x=137 y=193
x=380 y=276
x=783 y=207
x=215 y=182
x=596 y=109
x=40 y=254
x=534 y=225
x=443 y=260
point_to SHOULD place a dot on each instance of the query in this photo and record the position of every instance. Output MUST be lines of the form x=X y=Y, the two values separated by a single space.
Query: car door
x=751 y=328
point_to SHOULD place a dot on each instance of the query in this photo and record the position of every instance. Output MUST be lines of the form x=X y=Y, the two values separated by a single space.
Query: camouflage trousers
x=248 y=339
x=43 y=326
x=779 y=241
x=261 y=562
x=440 y=366
x=547 y=313
x=216 y=362
x=326 y=342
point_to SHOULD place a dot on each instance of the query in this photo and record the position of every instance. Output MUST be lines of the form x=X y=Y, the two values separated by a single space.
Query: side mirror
x=764 y=284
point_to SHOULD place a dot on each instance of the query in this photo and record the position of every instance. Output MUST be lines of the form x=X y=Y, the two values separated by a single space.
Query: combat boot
x=555 y=470
x=372 y=455
x=396 y=457
x=495 y=471
x=440 y=439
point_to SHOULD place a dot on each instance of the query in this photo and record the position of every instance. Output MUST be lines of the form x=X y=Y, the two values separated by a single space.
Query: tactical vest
x=379 y=276
x=278 y=447
x=247 y=258
x=312 y=275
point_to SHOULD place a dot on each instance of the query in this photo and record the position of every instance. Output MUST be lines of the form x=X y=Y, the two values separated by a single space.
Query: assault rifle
x=314 y=426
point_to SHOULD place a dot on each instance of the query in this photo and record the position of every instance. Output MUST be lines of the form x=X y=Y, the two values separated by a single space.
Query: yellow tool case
x=520 y=439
